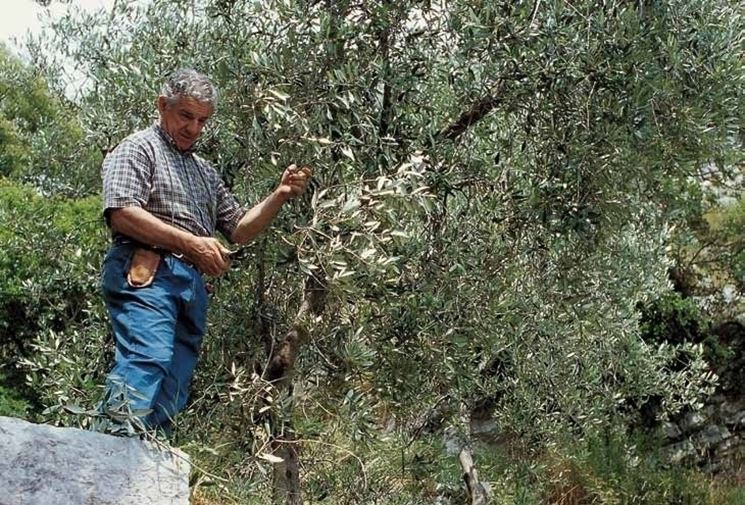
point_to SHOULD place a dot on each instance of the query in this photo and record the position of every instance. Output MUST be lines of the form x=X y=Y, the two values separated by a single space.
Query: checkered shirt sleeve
x=127 y=177
x=229 y=211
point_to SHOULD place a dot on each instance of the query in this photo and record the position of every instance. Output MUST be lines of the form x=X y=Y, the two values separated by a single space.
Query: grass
x=612 y=469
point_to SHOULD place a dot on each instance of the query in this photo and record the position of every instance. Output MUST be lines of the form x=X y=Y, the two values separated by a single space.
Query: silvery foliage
x=503 y=262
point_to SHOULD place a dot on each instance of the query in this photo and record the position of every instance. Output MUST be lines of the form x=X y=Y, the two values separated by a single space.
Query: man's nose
x=194 y=127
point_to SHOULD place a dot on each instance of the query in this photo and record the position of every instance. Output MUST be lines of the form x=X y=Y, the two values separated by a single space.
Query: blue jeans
x=158 y=332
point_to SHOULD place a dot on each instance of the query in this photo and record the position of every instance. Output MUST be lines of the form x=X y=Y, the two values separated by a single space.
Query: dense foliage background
x=517 y=213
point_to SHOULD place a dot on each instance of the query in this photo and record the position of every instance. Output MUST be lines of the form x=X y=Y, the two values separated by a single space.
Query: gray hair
x=188 y=83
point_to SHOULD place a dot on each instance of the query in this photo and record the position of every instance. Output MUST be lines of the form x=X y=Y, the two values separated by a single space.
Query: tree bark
x=476 y=113
x=286 y=476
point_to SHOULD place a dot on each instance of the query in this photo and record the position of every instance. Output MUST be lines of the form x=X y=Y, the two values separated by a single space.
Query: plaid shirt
x=147 y=170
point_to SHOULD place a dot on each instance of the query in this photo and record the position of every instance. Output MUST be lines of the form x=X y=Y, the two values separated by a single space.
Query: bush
x=614 y=467
x=677 y=320
x=51 y=318
x=727 y=355
x=11 y=403
x=673 y=319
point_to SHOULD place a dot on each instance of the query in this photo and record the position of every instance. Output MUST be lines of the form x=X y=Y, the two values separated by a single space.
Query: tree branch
x=282 y=362
x=476 y=113
x=478 y=492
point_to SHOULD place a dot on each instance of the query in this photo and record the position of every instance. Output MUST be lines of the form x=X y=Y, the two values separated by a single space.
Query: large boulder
x=45 y=465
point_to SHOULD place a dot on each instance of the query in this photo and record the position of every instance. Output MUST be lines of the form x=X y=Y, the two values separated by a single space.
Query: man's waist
x=121 y=239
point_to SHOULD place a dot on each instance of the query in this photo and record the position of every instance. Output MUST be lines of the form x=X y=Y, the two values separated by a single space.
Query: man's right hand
x=205 y=253
x=208 y=255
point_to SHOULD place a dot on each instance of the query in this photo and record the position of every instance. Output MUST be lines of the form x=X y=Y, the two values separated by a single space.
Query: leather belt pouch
x=143 y=267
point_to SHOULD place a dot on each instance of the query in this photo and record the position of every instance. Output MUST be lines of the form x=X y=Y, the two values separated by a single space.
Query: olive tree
x=495 y=186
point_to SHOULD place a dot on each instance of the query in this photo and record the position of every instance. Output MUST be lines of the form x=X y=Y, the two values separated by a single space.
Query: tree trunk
x=286 y=477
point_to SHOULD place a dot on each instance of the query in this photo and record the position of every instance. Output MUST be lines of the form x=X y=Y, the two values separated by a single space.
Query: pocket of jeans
x=142 y=267
x=115 y=266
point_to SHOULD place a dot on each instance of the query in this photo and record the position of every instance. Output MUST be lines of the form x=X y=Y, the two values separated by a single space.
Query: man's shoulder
x=144 y=139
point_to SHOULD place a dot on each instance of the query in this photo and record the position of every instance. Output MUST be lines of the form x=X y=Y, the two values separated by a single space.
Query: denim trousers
x=158 y=333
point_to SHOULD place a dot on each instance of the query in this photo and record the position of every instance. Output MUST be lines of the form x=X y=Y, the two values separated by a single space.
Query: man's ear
x=161 y=103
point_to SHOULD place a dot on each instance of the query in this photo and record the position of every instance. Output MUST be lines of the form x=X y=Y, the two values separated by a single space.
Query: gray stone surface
x=733 y=413
x=712 y=435
x=671 y=430
x=44 y=465
x=728 y=446
x=681 y=451
x=692 y=421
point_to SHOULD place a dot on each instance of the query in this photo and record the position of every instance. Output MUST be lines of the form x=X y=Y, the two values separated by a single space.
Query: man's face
x=183 y=120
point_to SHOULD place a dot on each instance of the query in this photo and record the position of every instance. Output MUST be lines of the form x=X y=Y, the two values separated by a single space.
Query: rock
x=692 y=421
x=482 y=426
x=729 y=293
x=727 y=201
x=728 y=446
x=733 y=413
x=736 y=420
x=712 y=435
x=676 y=453
x=45 y=465
x=727 y=407
x=671 y=430
x=453 y=441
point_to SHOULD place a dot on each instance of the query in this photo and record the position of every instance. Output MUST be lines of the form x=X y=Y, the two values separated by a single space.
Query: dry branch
x=478 y=493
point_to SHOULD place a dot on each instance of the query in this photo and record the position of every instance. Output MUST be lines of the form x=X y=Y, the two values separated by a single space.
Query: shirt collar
x=169 y=140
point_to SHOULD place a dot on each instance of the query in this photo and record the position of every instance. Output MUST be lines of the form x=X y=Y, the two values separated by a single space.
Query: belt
x=125 y=240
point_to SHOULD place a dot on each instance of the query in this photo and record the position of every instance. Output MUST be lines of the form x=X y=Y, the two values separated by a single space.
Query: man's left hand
x=294 y=181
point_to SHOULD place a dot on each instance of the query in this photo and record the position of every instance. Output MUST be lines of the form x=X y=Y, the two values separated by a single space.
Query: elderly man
x=164 y=204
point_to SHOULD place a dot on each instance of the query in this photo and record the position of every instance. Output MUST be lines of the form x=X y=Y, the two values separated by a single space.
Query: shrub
x=51 y=319
x=673 y=319
x=613 y=467
x=726 y=354
x=11 y=403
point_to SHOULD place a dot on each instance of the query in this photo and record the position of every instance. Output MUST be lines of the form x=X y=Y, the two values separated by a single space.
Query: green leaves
x=51 y=320
x=41 y=141
x=494 y=189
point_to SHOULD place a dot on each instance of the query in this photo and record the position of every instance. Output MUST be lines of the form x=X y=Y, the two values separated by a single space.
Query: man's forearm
x=205 y=253
x=258 y=218
x=141 y=225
